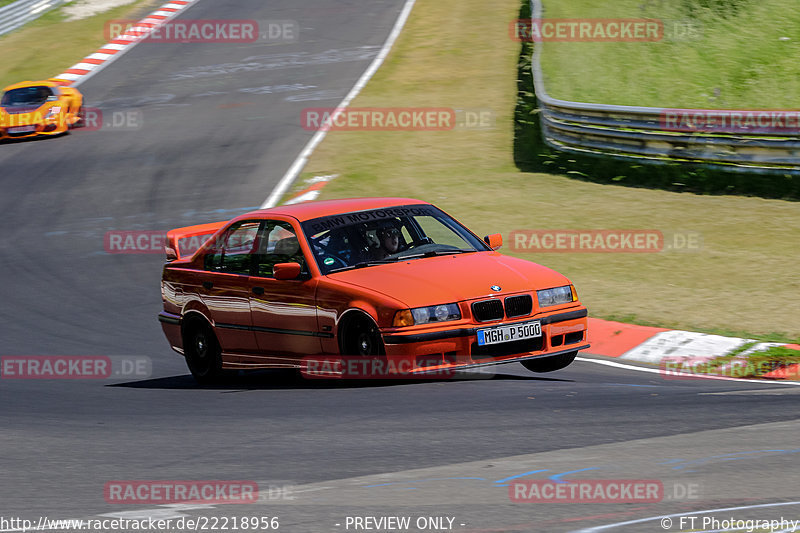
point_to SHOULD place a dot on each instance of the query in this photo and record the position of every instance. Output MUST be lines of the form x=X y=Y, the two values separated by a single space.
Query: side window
x=234 y=251
x=278 y=244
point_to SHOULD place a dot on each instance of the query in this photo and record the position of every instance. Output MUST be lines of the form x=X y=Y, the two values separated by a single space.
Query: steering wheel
x=420 y=242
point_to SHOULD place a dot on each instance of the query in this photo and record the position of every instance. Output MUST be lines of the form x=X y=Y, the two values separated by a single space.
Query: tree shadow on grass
x=533 y=155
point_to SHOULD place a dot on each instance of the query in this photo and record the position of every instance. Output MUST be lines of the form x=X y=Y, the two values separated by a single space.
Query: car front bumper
x=562 y=332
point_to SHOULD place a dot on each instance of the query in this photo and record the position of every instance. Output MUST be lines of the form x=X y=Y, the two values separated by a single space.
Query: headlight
x=426 y=315
x=556 y=296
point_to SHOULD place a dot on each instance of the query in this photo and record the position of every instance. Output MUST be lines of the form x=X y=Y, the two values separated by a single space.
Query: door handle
x=207 y=284
x=258 y=290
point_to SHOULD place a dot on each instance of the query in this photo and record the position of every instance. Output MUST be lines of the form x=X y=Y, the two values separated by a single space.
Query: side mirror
x=286 y=270
x=494 y=241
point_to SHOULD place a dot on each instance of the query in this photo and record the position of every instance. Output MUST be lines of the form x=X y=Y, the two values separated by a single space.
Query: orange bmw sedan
x=394 y=279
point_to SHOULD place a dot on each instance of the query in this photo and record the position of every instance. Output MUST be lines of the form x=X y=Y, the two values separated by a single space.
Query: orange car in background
x=390 y=278
x=33 y=108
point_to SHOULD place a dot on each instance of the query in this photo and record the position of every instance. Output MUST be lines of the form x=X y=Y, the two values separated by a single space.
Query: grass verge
x=743 y=277
x=718 y=54
x=749 y=365
x=48 y=45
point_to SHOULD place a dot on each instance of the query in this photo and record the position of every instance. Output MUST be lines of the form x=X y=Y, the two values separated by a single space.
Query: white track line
x=302 y=159
x=688 y=375
x=688 y=513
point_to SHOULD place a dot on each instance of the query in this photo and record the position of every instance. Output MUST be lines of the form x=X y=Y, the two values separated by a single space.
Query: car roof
x=20 y=85
x=315 y=209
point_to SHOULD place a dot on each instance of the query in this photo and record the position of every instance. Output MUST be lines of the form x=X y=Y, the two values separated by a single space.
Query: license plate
x=514 y=332
x=22 y=129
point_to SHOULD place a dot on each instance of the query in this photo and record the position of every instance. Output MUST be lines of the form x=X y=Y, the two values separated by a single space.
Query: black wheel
x=550 y=364
x=360 y=336
x=202 y=351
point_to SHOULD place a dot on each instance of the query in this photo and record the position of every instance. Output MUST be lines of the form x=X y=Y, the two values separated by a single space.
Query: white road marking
x=99 y=55
x=757 y=392
x=688 y=513
x=85 y=66
x=113 y=46
x=679 y=343
x=291 y=174
x=688 y=375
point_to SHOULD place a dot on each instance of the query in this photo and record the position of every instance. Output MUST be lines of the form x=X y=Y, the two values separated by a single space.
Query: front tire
x=360 y=336
x=202 y=352
x=80 y=122
x=550 y=364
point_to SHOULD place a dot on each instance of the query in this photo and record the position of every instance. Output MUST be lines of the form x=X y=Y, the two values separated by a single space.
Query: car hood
x=452 y=278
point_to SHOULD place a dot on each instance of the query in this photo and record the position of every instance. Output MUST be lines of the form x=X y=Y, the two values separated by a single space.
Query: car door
x=284 y=311
x=225 y=286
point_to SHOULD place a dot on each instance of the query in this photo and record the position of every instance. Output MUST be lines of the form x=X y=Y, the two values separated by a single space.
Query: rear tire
x=550 y=364
x=202 y=352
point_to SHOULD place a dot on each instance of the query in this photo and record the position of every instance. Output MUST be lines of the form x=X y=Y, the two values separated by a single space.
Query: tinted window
x=278 y=244
x=26 y=96
x=366 y=238
x=234 y=250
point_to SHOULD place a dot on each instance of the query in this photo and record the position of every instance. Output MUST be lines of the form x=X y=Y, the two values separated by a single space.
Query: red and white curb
x=645 y=344
x=312 y=190
x=93 y=63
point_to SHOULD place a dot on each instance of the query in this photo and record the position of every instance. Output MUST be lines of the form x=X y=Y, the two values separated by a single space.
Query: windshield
x=26 y=96
x=377 y=236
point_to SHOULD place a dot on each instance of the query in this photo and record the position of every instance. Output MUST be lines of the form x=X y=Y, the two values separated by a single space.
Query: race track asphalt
x=217 y=126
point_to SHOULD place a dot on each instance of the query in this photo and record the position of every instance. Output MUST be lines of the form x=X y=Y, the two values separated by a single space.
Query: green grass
x=741 y=58
x=753 y=365
x=744 y=278
x=47 y=46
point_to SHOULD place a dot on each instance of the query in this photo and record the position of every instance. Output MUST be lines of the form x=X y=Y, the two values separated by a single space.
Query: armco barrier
x=21 y=12
x=637 y=132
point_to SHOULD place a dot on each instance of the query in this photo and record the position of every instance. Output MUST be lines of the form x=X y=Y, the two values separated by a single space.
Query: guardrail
x=21 y=12
x=638 y=132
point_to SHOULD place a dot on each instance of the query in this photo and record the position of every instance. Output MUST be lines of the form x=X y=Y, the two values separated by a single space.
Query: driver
x=389 y=243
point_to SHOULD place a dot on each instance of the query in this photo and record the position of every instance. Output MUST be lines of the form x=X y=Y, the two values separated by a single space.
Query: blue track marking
x=557 y=477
